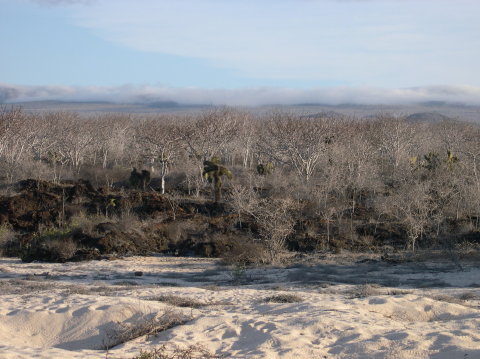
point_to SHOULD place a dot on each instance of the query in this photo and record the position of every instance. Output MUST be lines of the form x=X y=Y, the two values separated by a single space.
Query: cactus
x=451 y=159
x=213 y=173
x=432 y=162
x=328 y=140
x=413 y=161
x=111 y=203
x=139 y=180
x=265 y=169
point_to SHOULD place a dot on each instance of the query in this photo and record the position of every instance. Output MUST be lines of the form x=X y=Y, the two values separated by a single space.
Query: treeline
x=351 y=181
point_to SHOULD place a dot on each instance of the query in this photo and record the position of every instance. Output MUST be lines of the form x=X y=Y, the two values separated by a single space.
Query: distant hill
x=415 y=112
x=429 y=117
x=325 y=114
x=96 y=107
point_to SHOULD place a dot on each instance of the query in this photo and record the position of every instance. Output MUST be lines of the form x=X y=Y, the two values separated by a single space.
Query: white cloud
x=379 y=43
x=243 y=97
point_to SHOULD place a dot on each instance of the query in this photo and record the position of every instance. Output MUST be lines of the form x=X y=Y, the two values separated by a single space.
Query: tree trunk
x=218 y=189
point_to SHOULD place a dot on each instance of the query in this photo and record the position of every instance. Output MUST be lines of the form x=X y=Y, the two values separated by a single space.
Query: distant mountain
x=95 y=107
x=171 y=105
x=325 y=114
x=163 y=104
x=429 y=117
x=7 y=93
x=413 y=113
x=445 y=104
x=59 y=103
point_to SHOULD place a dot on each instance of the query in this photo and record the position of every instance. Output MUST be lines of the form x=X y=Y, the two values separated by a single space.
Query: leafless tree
x=411 y=205
x=298 y=142
x=160 y=139
x=17 y=138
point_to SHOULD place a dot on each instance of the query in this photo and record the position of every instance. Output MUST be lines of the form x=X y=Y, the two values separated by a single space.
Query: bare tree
x=17 y=137
x=74 y=139
x=397 y=146
x=411 y=205
x=111 y=137
x=207 y=136
x=160 y=139
x=275 y=220
x=210 y=134
x=298 y=142
x=243 y=200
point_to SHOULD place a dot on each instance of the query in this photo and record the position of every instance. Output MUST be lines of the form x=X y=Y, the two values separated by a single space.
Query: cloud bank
x=376 y=42
x=292 y=43
x=63 y=2
x=469 y=95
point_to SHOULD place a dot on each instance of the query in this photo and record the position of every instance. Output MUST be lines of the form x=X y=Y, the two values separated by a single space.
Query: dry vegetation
x=179 y=301
x=284 y=298
x=143 y=326
x=194 y=351
x=301 y=183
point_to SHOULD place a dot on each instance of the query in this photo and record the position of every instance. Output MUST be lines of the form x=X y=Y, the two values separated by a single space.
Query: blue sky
x=283 y=46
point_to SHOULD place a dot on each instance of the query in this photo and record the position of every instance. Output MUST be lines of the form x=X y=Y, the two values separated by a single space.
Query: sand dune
x=59 y=311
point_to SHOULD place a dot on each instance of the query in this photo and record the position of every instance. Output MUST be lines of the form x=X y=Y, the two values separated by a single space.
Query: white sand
x=67 y=310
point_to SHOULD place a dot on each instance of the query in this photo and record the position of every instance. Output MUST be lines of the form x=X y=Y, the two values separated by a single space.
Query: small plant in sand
x=194 y=351
x=238 y=274
x=468 y=296
x=179 y=301
x=147 y=325
x=365 y=290
x=284 y=298
x=456 y=299
x=242 y=252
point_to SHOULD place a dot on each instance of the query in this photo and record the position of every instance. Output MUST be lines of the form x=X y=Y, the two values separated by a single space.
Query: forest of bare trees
x=352 y=181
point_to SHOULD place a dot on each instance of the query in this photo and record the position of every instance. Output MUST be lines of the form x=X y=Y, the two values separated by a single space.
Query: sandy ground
x=335 y=308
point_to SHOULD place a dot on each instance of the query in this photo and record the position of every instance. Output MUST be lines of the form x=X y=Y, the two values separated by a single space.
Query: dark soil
x=40 y=214
x=136 y=222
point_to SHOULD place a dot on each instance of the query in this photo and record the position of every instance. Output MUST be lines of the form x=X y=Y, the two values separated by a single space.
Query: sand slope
x=66 y=311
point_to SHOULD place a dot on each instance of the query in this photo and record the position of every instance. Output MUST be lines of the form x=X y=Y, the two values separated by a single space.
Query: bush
x=55 y=245
x=284 y=298
x=179 y=301
x=194 y=351
x=365 y=290
x=241 y=251
x=61 y=250
x=7 y=237
x=149 y=325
